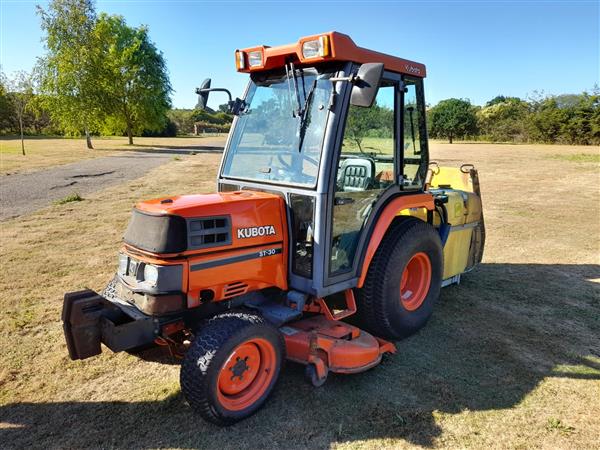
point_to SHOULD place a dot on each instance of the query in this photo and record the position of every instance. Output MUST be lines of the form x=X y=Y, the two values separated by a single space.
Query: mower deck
x=333 y=346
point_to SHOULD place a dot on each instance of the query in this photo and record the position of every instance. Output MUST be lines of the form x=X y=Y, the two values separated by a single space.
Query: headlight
x=317 y=47
x=122 y=264
x=150 y=274
x=147 y=277
x=255 y=58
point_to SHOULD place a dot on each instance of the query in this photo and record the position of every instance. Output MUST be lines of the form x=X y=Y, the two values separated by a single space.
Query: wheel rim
x=247 y=374
x=415 y=281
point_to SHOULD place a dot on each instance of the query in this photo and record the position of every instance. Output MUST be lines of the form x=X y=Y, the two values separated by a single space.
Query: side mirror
x=366 y=85
x=203 y=92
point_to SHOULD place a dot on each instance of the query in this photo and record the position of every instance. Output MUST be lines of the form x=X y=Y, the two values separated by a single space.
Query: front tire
x=231 y=367
x=403 y=281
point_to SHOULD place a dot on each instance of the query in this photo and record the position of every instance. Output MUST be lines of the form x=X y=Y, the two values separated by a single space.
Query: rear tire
x=403 y=281
x=231 y=367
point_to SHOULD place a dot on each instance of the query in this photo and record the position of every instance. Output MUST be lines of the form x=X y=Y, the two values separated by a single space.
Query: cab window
x=365 y=170
x=414 y=142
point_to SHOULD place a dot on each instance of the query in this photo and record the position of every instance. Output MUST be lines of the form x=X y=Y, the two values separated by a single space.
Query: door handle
x=343 y=201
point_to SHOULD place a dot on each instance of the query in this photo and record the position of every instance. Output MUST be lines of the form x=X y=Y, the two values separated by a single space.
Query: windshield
x=278 y=137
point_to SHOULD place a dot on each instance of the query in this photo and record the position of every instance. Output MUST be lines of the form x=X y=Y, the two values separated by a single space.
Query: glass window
x=365 y=170
x=278 y=138
x=413 y=124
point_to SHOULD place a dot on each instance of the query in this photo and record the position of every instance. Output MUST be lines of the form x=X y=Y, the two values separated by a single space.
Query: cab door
x=366 y=168
x=383 y=154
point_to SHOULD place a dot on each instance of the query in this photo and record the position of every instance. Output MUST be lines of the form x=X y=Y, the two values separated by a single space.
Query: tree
x=71 y=68
x=182 y=119
x=20 y=93
x=7 y=109
x=363 y=121
x=504 y=120
x=451 y=118
x=134 y=77
x=501 y=99
x=546 y=120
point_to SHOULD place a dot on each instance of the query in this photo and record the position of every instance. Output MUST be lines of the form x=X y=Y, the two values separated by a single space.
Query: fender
x=389 y=213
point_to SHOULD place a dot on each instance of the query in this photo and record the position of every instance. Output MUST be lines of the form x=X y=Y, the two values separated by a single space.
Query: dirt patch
x=23 y=193
x=42 y=153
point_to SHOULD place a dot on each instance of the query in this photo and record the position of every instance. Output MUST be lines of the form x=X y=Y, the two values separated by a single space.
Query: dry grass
x=42 y=153
x=510 y=359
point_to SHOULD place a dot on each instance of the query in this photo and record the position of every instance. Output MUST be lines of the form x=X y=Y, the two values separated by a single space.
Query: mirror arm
x=204 y=91
x=235 y=106
x=351 y=79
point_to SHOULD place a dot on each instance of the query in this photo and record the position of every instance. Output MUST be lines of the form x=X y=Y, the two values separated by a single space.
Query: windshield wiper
x=305 y=117
x=291 y=70
x=303 y=109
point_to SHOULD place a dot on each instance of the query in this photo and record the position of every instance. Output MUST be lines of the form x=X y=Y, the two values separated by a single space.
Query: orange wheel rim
x=247 y=374
x=415 y=281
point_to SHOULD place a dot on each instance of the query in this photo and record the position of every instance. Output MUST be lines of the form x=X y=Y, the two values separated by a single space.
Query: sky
x=472 y=49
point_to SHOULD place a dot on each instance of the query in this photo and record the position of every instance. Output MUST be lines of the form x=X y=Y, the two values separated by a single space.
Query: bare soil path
x=23 y=193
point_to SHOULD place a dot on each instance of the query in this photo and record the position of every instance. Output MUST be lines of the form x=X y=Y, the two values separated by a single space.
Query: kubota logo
x=412 y=69
x=250 y=232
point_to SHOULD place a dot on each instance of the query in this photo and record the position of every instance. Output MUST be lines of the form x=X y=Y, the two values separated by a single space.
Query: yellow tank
x=457 y=191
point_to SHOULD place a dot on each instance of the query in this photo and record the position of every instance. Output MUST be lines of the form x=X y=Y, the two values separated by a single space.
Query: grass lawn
x=510 y=358
x=46 y=152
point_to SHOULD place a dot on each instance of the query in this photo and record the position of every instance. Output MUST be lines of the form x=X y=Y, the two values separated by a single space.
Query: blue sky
x=473 y=50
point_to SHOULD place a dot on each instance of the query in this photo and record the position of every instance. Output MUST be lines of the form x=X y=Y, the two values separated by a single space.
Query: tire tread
x=194 y=375
x=372 y=298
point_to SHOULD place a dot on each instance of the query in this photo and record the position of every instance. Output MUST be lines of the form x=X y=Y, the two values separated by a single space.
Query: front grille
x=209 y=232
x=174 y=234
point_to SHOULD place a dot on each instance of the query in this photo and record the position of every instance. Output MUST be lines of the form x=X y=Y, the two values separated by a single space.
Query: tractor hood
x=206 y=222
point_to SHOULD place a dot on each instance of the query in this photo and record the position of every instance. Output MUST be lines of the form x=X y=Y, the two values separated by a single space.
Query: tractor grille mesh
x=209 y=232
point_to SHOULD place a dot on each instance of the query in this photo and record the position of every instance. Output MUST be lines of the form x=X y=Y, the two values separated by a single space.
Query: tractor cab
x=327 y=206
x=337 y=139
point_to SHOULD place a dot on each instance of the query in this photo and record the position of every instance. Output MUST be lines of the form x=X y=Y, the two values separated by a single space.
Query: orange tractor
x=330 y=236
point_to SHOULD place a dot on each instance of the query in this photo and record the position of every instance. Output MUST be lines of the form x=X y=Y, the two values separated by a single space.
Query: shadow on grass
x=491 y=341
x=178 y=149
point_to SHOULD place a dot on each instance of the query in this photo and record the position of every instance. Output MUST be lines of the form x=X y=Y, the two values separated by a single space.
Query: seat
x=356 y=174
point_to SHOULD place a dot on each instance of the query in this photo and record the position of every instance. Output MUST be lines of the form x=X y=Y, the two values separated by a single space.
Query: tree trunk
x=129 y=134
x=88 y=140
x=358 y=142
x=450 y=138
x=22 y=139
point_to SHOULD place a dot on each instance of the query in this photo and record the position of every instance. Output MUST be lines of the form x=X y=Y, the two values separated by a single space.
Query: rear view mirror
x=203 y=92
x=234 y=106
x=366 y=85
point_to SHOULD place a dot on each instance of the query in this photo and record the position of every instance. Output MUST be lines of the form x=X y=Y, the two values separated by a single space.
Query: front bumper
x=90 y=319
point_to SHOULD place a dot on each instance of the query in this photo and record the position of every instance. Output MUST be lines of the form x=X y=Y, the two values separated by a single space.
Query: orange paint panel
x=232 y=273
x=385 y=219
x=256 y=257
x=247 y=210
x=342 y=48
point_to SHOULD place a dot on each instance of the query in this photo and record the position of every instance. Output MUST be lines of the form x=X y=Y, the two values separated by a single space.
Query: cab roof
x=331 y=46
